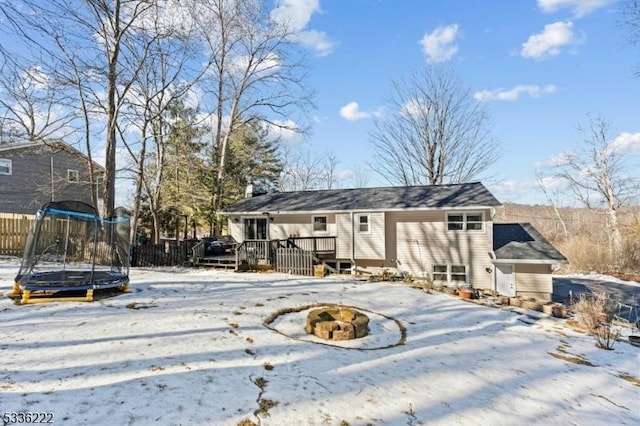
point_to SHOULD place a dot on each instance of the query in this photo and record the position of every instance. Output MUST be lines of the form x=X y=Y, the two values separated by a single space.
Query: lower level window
x=440 y=273
x=459 y=273
x=450 y=273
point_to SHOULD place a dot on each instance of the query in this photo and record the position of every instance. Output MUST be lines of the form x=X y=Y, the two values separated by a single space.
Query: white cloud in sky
x=513 y=94
x=413 y=107
x=36 y=78
x=318 y=41
x=579 y=8
x=550 y=41
x=628 y=143
x=439 y=45
x=297 y=14
x=351 y=112
x=285 y=131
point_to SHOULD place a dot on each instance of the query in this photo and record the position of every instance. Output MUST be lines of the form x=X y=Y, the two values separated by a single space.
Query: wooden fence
x=14 y=230
x=168 y=253
x=294 y=261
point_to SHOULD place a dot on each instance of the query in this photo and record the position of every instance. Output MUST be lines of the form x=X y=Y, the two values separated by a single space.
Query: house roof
x=390 y=198
x=51 y=144
x=521 y=241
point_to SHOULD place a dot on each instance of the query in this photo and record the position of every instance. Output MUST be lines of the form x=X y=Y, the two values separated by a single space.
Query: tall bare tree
x=31 y=103
x=599 y=174
x=163 y=47
x=630 y=22
x=553 y=197
x=435 y=133
x=256 y=74
x=96 y=31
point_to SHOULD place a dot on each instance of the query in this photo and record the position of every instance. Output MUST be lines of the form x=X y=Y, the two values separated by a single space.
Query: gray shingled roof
x=521 y=241
x=406 y=197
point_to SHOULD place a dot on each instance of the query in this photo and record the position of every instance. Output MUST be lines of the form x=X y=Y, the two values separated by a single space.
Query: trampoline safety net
x=70 y=247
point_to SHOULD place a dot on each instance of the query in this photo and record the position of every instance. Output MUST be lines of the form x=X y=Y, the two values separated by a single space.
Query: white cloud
x=439 y=45
x=628 y=143
x=288 y=132
x=513 y=94
x=317 y=41
x=296 y=14
x=561 y=159
x=414 y=107
x=578 y=7
x=553 y=182
x=351 y=112
x=550 y=41
x=35 y=78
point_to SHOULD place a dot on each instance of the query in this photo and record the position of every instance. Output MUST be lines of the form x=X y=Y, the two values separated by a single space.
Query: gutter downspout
x=492 y=254
x=354 y=268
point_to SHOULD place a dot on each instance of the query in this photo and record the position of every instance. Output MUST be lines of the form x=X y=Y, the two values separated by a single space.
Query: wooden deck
x=298 y=254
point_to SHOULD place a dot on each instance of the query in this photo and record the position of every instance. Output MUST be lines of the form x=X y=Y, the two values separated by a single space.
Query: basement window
x=455 y=274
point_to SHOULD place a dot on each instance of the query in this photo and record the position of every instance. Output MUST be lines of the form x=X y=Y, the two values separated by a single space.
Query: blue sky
x=539 y=65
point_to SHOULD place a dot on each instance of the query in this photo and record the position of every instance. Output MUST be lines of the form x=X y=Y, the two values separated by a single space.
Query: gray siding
x=33 y=183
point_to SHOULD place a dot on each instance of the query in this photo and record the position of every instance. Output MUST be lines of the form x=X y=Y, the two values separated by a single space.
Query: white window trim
x=357 y=218
x=9 y=165
x=465 y=221
x=449 y=273
x=313 y=222
x=71 y=172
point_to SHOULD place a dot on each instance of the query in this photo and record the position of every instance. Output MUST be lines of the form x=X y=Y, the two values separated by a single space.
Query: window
x=363 y=223
x=464 y=221
x=320 y=224
x=440 y=273
x=72 y=175
x=474 y=222
x=5 y=166
x=459 y=273
x=455 y=222
x=456 y=274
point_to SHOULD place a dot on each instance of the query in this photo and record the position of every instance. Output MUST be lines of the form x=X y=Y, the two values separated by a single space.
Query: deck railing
x=255 y=252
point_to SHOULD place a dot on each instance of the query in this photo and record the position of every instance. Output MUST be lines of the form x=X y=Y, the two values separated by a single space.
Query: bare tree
x=301 y=171
x=361 y=176
x=162 y=50
x=330 y=162
x=31 y=103
x=96 y=32
x=436 y=132
x=553 y=198
x=630 y=14
x=255 y=75
x=598 y=174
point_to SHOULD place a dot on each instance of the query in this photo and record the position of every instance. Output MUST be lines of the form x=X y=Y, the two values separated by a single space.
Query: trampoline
x=71 y=249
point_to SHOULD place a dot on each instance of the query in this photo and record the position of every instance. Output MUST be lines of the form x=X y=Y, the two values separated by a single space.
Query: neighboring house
x=34 y=173
x=445 y=232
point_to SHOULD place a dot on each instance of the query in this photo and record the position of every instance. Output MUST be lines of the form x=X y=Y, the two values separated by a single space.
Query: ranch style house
x=444 y=232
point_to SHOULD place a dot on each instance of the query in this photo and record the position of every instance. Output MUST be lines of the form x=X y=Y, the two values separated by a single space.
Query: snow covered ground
x=190 y=347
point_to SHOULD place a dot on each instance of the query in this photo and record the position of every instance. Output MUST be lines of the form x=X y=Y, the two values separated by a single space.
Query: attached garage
x=524 y=261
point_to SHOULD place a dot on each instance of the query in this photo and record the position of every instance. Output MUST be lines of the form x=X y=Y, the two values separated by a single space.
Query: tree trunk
x=615 y=236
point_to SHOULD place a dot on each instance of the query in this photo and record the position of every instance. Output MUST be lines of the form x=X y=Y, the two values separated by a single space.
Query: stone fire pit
x=337 y=323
